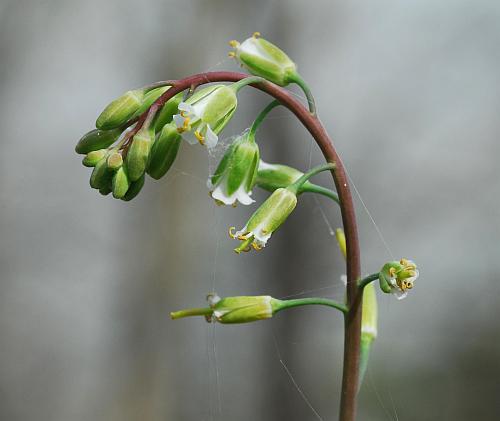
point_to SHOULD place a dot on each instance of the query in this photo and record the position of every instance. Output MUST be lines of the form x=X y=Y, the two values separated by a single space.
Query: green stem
x=284 y=304
x=206 y=311
x=244 y=82
x=260 y=118
x=365 y=281
x=295 y=187
x=296 y=78
x=314 y=188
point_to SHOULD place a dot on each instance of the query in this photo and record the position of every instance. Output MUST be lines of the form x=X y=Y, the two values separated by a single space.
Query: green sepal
x=201 y=93
x=97 y=139
x=164 y=151
x=101 y=175
x=135 y=188
x=168 y=111
x=120 y=183
x=275 y=176
x=138 y=154
x=120 y=110
x=223 y=101
x=105 y=190
x=243 y=163
x=221 y=168
x=114 y=160
x=92 y=158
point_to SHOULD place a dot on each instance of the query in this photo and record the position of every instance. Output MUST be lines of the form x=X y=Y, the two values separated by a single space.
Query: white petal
x=399 y=294
x=186 y=107
x=190 y=138
x=210 y=138
x=179 y=120
x=243 y=197
x=218 y=194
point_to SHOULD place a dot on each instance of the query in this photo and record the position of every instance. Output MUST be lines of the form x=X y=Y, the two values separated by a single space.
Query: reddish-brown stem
x=352 y=333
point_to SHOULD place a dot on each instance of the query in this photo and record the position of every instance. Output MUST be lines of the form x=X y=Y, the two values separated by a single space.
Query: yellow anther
x=392 y=271
x=409 y=285
x=256 y=247
x=247 y=249
x=200 y=137
x=256 y=35
x=231 y=54
x=183 y=114
x=231 y=233
x=243 y=237
x=180 y=130
x=185 y=125
x=234 y=204
x=233 y=43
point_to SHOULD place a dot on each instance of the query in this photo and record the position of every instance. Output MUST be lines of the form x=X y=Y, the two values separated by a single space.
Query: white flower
x=205 y=114
x=398 y=277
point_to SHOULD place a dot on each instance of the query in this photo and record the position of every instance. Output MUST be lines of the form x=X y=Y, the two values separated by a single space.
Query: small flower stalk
x=398 y=277
x=235 y=175
x=267 y=219
x=203 y=116
x=262 y=58
x=233 y=310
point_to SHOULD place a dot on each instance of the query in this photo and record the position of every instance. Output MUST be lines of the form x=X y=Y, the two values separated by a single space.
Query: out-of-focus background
x=410 y=92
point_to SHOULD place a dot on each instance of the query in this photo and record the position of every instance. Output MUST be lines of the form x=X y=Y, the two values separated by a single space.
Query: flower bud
x=167 y=112
x=368 y=327
x=120 y=110
x=92 y=158
x=134 y=189
x=97 y=139
x=114 y=160
x=205 y=114
x=267 y=219
x=149 y=98
x=101 y=175
x=243 y=309
x=261 y=58
x=235 y=175
x=105 y=190
x=274 y=176
x=398 y=277
x=120 y=183
x=164 y=151
x=138 y=153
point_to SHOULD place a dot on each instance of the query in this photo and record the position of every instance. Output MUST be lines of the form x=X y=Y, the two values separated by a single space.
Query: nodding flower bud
x=398 y=277
x=164 y=151
x=203 y=115
x=261 y=58
x=267 y=219
x=120 y=110
x=368 y=328
x=231 y=310
x=274 y=176
x=92 y=158
x=235 y=175
x=138 y=154
x=97 y=139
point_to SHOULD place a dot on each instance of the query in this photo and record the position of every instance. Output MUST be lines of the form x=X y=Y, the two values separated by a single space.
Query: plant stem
x=249 y=80
x=314 y=188
x=295 y=187
x=206 y=311
x=284 y=304
x=352 y=335
x=296 y=78
x=365 y=281
x=260 y=118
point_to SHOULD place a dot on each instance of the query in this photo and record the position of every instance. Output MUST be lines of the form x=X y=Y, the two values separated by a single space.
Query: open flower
x=235 y=175
x=261 y=58
x=398 y=277
x=267 y=219
x=203 y=116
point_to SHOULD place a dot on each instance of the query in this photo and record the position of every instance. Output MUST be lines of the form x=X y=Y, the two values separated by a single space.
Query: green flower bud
x=134 y=189
x=92 y=158
x=398 y=277
x=368 y=327
x=120 y=110
x=149 y=98
x=164 y=151
x=97 y=139
x=261 y=58
x=231 y=310
x=114 y=160
x=274 y=176
x=138 y=153
x=167 y=112
x=243 y=309
x=120 y=183
x=267 y=219
x=105 y=190
x=101 y=175
x=205 y=114
x=235 y=175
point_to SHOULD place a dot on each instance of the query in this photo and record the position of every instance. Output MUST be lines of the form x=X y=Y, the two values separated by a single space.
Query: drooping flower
x=262 y=58
x=203 y=116
x=398 y=277
x=235 y=175
x=266 y=219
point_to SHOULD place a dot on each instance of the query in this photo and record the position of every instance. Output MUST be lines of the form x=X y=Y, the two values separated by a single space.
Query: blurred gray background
x=409 y=90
